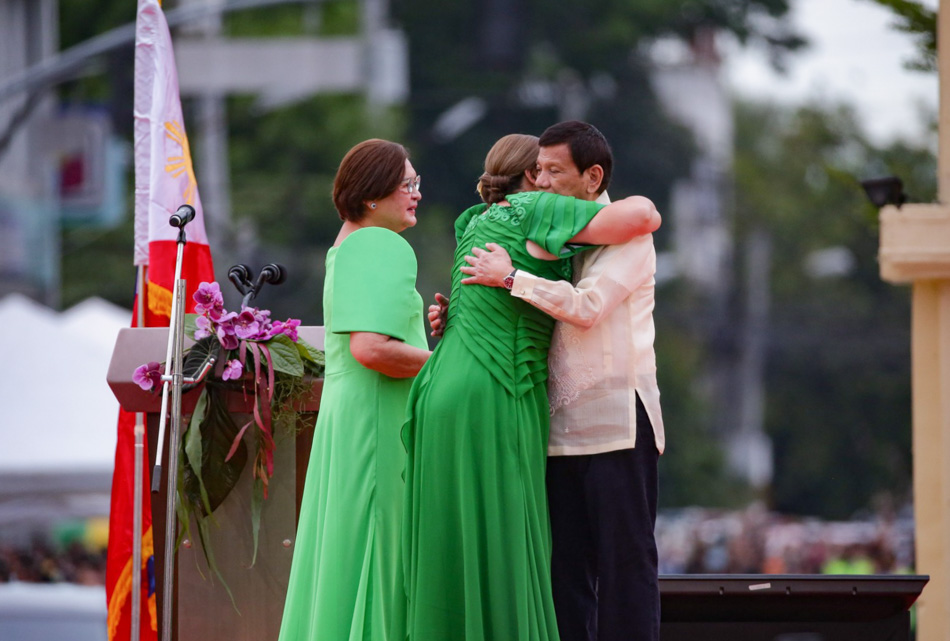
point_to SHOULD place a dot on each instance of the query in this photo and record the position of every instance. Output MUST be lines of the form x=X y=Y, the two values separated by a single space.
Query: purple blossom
x=246 y=325
x=262 y=315
x=288 y=327
x=204 y=328
x=233 y=370
x=148 y=376
x=208 y=299
x=226 y=336
x=216 y=313
x=230 y=328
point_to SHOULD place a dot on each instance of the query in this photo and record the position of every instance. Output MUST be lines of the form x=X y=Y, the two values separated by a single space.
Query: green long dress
x=477 y=543
x=346 y=577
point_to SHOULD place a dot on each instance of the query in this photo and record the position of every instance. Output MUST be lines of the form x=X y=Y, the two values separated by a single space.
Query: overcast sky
x=855 y=56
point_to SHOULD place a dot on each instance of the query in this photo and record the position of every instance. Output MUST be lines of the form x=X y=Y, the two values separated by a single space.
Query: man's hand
x=487 y=267
x=437 y=314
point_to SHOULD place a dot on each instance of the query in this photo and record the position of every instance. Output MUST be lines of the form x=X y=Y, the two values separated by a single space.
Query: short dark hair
x=371 y=170
x=587 y=145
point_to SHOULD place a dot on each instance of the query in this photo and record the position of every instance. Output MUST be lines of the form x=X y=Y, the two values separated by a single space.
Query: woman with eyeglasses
x=345 y=579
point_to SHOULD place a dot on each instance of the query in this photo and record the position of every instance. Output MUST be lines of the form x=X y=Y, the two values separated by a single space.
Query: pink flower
x=203 y=328
x=208 y=299
x=226 y=337
x=233 y=370
x=230 y=328
x=246 y=325
x=147 y=376
x=216 y=313
x=224 y=330
x=288 y=327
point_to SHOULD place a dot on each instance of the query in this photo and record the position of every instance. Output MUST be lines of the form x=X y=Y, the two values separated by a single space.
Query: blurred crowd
x=757 y=541
x=690 y=540
x=43 y=562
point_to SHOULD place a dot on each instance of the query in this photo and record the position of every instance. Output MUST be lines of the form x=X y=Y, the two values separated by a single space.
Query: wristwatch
x=509 y=281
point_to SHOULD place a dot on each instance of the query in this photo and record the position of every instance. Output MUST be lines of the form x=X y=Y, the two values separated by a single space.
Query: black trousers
x=604 y=565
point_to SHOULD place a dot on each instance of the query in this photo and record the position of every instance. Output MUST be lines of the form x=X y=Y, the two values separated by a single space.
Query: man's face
x=558 y=174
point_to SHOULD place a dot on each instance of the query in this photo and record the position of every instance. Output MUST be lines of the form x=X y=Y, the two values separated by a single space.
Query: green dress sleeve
x=462 y=222
x=554 y=220
x=374 y=282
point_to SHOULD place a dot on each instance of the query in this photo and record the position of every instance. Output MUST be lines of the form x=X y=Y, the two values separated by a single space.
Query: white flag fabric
x=164 y=175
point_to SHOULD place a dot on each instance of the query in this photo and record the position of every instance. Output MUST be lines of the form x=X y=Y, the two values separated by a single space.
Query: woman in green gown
x=346 y=576
x=476 y=534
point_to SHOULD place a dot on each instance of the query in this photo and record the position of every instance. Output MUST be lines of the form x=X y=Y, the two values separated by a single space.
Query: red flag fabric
x=119 y=562
x=164 y=180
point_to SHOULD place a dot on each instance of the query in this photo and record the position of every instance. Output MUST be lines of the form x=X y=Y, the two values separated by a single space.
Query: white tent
x=57 y=414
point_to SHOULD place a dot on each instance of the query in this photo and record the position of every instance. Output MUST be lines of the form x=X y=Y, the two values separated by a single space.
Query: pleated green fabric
x=346 y=577
x=476 y=534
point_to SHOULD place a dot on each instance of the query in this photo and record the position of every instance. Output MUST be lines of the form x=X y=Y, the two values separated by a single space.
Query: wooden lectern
x=203 y=609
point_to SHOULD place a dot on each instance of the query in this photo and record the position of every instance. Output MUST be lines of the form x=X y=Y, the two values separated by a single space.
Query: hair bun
x=494 y=189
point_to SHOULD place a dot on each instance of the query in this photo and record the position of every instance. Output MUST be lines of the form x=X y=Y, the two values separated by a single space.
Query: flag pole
x=135 y=634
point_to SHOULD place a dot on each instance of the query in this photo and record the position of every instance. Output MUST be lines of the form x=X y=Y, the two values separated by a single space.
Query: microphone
x=240 y=275
x=272 y=273
x=184 y=215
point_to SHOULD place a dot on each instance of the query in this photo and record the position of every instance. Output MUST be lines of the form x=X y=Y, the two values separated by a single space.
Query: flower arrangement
x=263 y=359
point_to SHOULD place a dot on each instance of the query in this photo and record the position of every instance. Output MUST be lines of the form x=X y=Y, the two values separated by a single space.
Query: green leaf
x=218 y=477
x=190 y=326
x=197 y=356
x=185 y=511
x=221 y=476
x=285 y=356
x=204 y=535
x=314 y=358
x=193 y=453
x=257 y=503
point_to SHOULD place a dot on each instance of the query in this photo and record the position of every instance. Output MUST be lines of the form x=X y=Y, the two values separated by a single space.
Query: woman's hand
x=487 y=267
x=437 y=315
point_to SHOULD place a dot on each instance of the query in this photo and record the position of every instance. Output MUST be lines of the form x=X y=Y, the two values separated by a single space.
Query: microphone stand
x=240 y=275
x=173 y=378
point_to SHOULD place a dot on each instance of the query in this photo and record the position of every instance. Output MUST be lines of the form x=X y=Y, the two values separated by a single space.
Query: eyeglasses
x=411 y=184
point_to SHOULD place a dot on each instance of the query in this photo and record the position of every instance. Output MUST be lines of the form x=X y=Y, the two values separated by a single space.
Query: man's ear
x=593 y=176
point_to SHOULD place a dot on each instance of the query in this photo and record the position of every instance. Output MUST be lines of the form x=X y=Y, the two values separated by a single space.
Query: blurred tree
x=512 y=56
x=482 y=70
x=283 y=160
x=692 y=470
x=282 y=168
x=838 y=399
x=920 y=21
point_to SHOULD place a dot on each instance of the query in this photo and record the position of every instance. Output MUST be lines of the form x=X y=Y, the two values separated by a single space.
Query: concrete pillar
x=915 y=248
